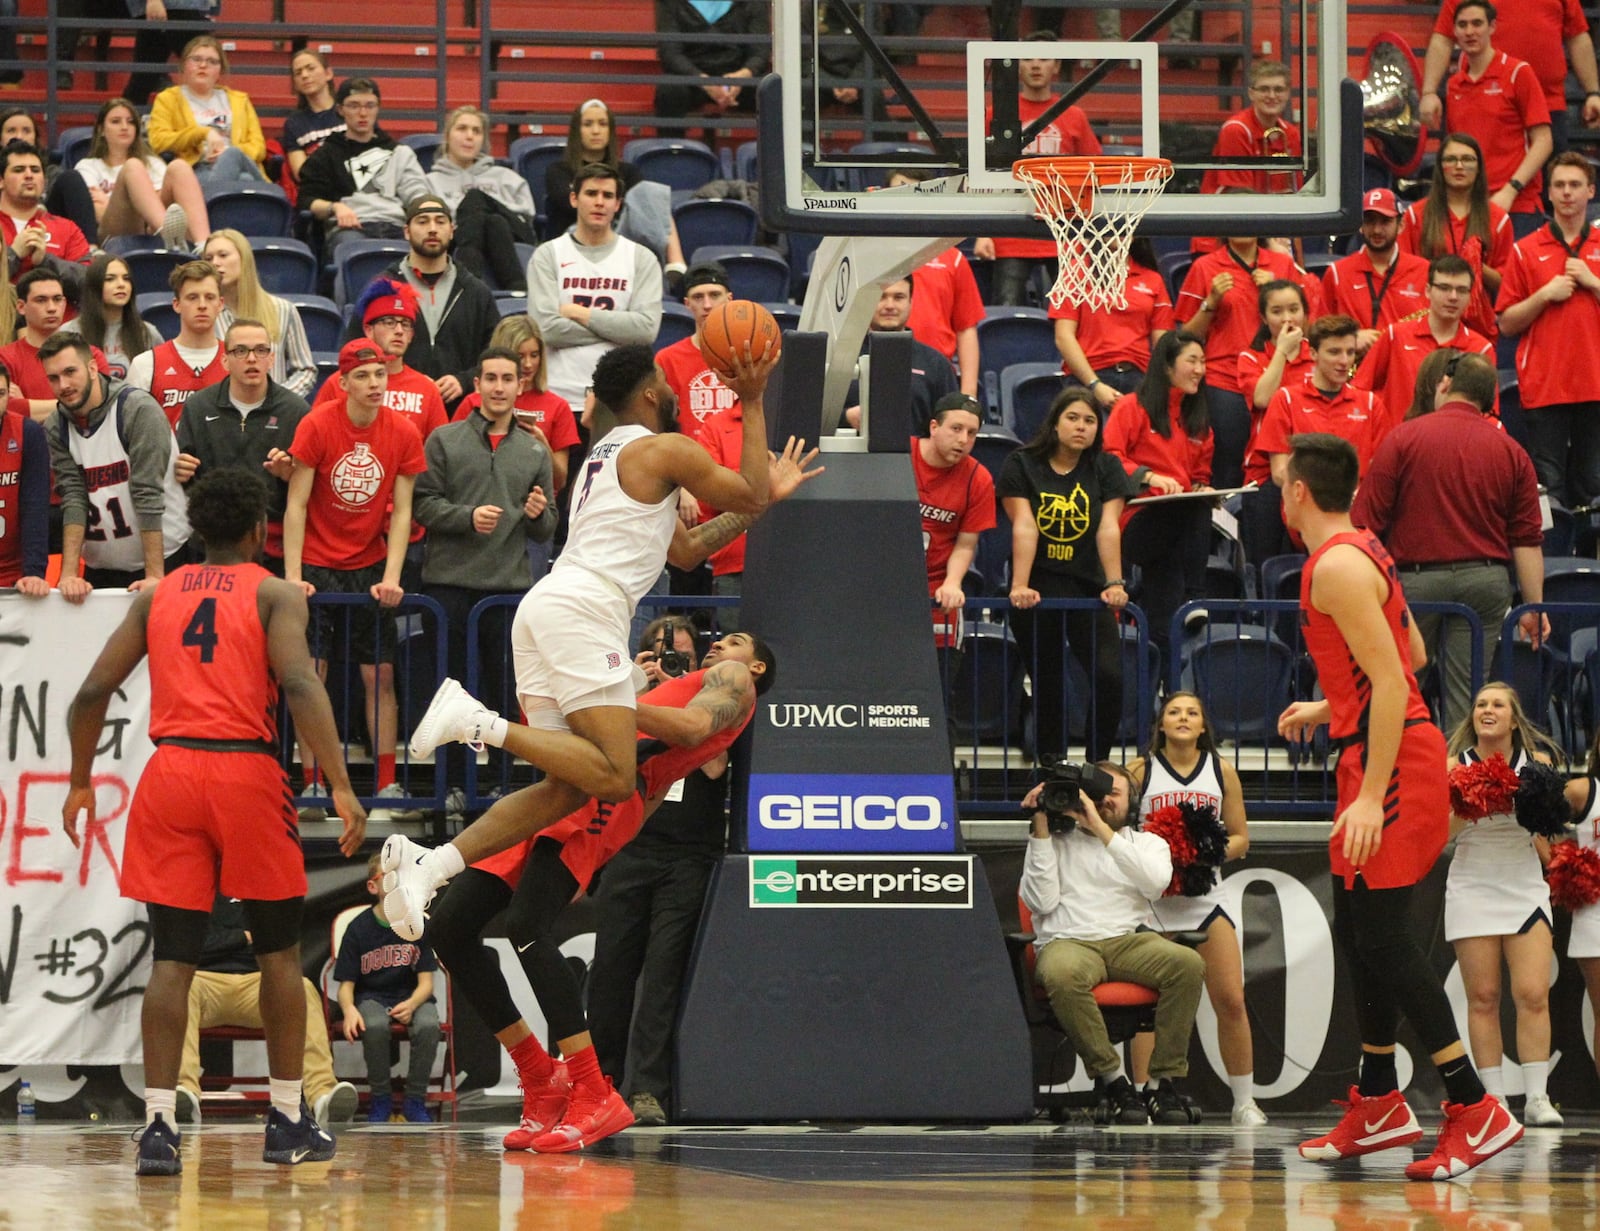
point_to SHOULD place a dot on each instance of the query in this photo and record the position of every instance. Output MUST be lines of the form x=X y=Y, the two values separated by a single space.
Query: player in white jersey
x=1583 y=946
x=570 y=635
x=1497 y=906
x=591 y=289
x=1183 y=767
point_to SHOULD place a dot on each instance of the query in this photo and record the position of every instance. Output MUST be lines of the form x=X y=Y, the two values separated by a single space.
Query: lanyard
x=1378 y=292
x=1575 y=253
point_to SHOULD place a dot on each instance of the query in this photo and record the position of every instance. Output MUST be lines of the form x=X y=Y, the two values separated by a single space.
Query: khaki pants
x=235 y=1000
x=1069 y=969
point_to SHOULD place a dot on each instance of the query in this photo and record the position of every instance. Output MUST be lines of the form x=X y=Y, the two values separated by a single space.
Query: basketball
x=730 y=326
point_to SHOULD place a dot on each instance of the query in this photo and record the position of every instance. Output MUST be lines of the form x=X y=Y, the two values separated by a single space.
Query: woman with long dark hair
x=1458 y=216
x=109 y=318
x=136 y=193
x=315 y=116
x=1162 y=436
x=591 y=137
x=1064 y=499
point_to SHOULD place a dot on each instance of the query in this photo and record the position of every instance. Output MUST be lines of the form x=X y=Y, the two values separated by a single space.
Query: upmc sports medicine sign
x=864 y=882
x=851 y=812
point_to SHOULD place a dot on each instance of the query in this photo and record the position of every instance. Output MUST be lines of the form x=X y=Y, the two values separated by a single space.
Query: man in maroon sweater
x=1456 y=502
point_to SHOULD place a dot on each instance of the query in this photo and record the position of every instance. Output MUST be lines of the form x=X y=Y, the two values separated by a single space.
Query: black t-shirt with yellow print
x=1067 y=509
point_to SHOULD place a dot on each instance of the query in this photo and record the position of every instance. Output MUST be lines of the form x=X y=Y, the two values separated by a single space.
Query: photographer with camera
x=1088 y=879
x=669 y=649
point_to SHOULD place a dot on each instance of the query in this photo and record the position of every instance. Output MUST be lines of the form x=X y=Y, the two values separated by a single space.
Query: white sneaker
x=314 y=812
x=454 y=716
x=394 y=791
x=188 y=1110
x=337 y=1106
x=175 y=229
x=409 y=883
x=1249 y=1116
x=1540 y=1112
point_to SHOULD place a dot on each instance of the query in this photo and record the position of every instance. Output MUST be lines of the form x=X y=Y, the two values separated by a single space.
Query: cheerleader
x=1497 y=904
x=1183 y=766
x=1583 y=946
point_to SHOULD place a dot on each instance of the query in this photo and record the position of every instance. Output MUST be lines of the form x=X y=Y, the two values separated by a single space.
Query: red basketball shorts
x=1416 y=811
x=205 y=820
x=589 y=838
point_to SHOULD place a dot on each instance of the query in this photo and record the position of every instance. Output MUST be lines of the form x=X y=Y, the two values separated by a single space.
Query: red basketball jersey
x=1346 y=686
x=10 y=497
x=662 y=764
x=210 y=677
x=172 y=380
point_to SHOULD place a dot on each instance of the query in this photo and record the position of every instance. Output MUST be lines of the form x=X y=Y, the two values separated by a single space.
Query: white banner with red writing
x=74 y=954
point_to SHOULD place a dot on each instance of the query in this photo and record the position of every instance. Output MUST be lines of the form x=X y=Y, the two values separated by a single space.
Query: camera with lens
x=1060 y=802
x=672 y=662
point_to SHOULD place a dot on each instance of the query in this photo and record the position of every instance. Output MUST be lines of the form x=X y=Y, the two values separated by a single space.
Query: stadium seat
x=1512 y=417
x=285 y=266
x=1278 y=578
x=705 y=222
x=251 y=210
x=531 y=155
x=358 y=261
x=324 y=323
x=151 y=267
x=156 y=310
x=425 y=146
x=744 y=162
x=674 y=161
x=1175 y=268
x=1026 y=392
x=73 y=144
x=802 y=252
x=986 y=695
x=786 y=314
x=1015 y=335
x=1563 y=532
x=1138 y=711
x=755 y=273
x=677 y=323
x=511 y=305
x=1570 y=579
x=1245 y=675
x=118 y=245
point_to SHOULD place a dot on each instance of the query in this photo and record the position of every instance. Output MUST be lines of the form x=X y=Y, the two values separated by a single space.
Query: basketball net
x=1092 y=207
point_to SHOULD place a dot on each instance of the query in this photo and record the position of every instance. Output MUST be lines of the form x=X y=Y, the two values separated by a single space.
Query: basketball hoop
x=1092 y=207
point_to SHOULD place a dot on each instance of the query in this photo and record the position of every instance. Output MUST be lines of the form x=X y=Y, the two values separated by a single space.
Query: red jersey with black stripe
x=210 y=675
x=172 y=380
x=662 y=764
x=10 y=496
x=1346 y=686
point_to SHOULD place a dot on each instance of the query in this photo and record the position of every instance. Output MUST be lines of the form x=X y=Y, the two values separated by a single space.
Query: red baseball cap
x=389 y=298
x=1380 y=201
x=358 y=353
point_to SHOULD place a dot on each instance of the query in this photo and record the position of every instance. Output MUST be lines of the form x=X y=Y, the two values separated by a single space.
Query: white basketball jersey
x=1164 y=787
x=612 y=534
x=111 y=538
x=593 y=282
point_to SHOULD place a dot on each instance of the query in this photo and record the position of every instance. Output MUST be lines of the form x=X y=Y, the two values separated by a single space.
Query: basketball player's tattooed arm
x=726 y=694
x=86 y=715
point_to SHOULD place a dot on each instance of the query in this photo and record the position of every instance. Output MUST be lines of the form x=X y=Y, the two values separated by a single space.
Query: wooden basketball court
x=63 y=1177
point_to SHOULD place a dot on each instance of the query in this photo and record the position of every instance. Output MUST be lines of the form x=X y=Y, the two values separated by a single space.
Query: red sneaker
x=592 y=1114
x=543 y=1105
x=1468 y=1136
x=1368 y=1125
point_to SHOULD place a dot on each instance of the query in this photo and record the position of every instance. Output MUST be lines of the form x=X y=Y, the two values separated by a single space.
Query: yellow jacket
x=173 y=127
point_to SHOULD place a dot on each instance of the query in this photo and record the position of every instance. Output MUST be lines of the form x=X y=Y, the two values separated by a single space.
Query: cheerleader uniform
x=1585 y=938
x=1496 y=886
x=1164 y=787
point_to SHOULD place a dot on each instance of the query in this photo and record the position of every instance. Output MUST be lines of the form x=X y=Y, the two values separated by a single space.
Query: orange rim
x=1078 y=173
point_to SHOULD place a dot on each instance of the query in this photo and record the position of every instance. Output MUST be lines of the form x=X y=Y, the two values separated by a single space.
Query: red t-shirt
x=1068 y=133
x=1390 y=367
x=27 y=373
x=1546 y=372
x=1537 y=31
x=172 y=380
x=1234 y=325
x=723 y=437
x=546 y=411
x=1502 y=237
x=356 y=470
x=1355 y=288
x=1498 y=109
x=1109 y=336
x=1354 y=414
x=210 y=676
x=64 y=241
x=944 y=301
x=702 y=397
x=1133 y=442
x=955 y=500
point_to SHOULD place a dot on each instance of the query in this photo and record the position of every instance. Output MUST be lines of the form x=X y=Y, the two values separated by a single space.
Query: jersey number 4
x=201 y=631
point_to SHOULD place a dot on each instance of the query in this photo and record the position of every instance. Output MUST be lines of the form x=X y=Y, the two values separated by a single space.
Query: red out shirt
x=356 y=470
x=1068 y=133
x=1535 y=31
x=1356 y=415
x=1547 y=373
x=1353 y=287
x=1109 y=336
x=702 y=397
x=1234 y=325
x=1497 y=110
x=944 y=301
x=1131 y=439
x=1390 y=367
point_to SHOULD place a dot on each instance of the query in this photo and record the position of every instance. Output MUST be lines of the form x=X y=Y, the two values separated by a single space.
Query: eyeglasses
x=351 y=105
x=1459 y=160
x=1269 y=89
x=1450 y=288
x=396 y=322
x=247 y=352
x=206 y=61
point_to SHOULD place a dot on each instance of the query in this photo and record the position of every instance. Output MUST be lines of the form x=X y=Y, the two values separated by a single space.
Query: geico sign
x=880 y=812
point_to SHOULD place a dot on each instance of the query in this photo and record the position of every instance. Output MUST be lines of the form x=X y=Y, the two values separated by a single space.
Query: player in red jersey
x=1393 y=814
x=683 y=723
x=213 y=809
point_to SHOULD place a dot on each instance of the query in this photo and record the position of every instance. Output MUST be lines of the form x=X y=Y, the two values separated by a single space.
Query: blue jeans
x=232 y=166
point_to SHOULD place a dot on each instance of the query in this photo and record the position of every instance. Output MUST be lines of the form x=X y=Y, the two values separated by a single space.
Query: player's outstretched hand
x=1301 y=718
x=786 y=472
x=751 y=371
x=354 y=817
x=80 y=799
x=1362 y=825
